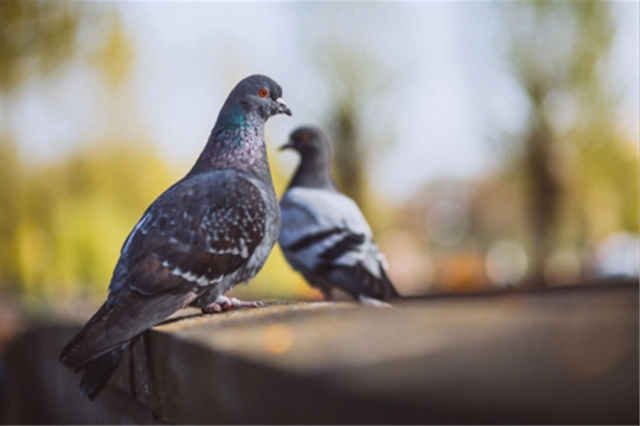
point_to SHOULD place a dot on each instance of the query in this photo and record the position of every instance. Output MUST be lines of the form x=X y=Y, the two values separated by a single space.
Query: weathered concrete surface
x=567 y=356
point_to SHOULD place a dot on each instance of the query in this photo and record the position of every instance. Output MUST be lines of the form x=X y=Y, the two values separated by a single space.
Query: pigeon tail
x=98 y=372
x=68 y=355
x=390 y=288
x=112 y=327
x=101 y=344
x=357 y=281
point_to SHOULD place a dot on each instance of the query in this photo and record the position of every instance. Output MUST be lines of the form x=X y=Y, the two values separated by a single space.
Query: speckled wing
x=321 y=228
x=201 y=230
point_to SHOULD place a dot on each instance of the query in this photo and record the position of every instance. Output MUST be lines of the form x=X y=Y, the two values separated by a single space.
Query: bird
x=210 y=231
x=324 y=235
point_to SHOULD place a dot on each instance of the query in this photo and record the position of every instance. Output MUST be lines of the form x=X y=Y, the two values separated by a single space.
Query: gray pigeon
x=210 y=231
x=324 y=235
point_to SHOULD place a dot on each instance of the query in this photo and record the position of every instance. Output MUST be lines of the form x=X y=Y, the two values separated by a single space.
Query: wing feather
x=321 y=228
x=201 y=230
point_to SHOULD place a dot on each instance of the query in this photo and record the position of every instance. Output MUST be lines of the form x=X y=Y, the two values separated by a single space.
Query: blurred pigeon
x=324 y=235
x=207 y=233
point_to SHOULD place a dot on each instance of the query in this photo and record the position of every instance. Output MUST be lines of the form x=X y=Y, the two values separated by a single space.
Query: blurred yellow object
x=278 y=338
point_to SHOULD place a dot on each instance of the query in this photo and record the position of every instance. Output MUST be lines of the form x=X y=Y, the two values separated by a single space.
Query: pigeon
x=210 y=231
x=324 y=235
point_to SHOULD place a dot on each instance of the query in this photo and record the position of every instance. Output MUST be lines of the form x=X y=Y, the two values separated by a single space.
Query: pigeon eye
x=263 y=93
x=304 y=138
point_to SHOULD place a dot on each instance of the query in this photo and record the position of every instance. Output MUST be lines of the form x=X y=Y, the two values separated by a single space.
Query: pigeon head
x=314 y=168
x=237 y=139
x=255 y=97
x=310 y=142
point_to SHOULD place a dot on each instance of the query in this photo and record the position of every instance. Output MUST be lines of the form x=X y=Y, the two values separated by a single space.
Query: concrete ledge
x=561 y=357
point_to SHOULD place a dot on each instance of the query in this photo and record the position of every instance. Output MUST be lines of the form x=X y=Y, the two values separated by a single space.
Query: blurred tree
x=10 y=190
x=558 y=51
x=355 y=80
x=115 y=56
x=36 y=38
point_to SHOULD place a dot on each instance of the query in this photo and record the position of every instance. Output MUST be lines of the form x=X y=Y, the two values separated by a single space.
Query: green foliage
x=606 y=186
x=10 y=191
x=65 y=224
x=115 y=56
x=36 y=38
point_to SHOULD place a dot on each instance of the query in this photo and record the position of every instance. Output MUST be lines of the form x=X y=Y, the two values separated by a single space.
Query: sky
x=450 y=91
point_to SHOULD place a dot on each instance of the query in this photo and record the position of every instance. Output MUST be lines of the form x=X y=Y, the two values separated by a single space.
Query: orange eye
x=304 y=138
x=263 y=93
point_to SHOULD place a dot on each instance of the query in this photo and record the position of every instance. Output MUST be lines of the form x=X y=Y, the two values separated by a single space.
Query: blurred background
x=490 y=145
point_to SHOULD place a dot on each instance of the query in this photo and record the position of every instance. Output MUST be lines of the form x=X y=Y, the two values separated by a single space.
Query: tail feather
x=390 y=290
x=358 y=280
x=99 y=347
x=98 y=372
x=66 y=357
x=112 y=326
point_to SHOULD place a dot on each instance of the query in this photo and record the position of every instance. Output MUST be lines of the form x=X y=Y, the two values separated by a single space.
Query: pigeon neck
x=313 y=172
x=236 y=142
x=234 y=117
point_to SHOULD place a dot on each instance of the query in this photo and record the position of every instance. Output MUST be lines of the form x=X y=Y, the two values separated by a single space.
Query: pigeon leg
x=327 y=293
x=224 y=303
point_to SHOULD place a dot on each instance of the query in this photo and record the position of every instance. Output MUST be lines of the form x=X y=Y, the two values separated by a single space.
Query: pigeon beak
x=282 y=107
x=288 y=145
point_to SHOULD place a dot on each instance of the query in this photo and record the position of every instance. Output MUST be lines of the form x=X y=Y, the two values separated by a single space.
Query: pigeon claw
x=224 y=303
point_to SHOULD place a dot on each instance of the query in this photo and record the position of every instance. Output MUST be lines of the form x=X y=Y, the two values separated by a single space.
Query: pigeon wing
x=325 y=236
x=201 y=230
x=322 y=227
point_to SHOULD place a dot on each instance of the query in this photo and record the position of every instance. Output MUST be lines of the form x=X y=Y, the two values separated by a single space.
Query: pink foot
x=224 y=303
